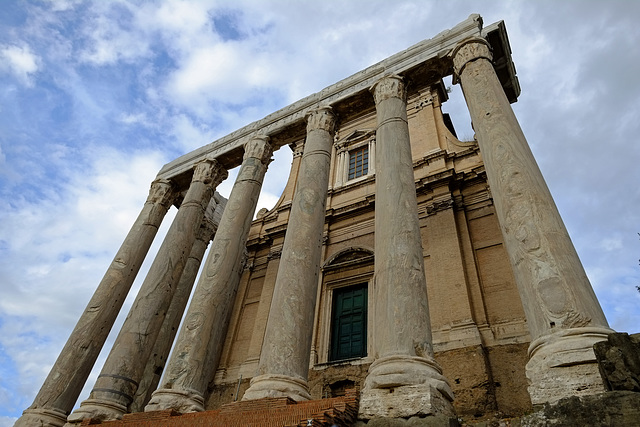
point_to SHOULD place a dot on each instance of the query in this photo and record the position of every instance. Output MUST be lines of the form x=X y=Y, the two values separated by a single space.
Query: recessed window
x=358 y=162
x=349 y=323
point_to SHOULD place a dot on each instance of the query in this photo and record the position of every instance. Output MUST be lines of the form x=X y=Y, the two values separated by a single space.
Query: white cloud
x=20 y=61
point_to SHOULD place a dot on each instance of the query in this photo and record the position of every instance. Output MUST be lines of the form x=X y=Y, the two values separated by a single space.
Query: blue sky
x=96 y=96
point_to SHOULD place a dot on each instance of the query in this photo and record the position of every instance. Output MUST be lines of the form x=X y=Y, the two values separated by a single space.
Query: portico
x=377 y=175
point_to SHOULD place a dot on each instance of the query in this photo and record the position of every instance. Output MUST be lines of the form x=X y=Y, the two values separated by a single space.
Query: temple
x=425 y=275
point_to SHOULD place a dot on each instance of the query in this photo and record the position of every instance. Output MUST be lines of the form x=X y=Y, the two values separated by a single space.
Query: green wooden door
x=349 y=323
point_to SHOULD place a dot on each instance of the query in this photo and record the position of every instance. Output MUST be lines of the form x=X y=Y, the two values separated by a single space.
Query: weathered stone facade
x=433 y=275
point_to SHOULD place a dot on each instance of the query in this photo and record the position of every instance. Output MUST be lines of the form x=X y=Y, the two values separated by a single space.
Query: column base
x=182 y=401
x=41 y=417
x=99 y=410
x=563 y=364
x=404 y=402
x=403 y=387
x=270 y=385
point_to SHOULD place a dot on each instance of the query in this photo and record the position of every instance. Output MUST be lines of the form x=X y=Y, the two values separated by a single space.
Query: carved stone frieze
x=392 y=86
x=323 y=119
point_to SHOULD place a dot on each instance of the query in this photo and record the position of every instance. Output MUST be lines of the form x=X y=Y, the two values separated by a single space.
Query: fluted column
x=404 y=380
x=284 y=362
x=66 y=379
x=123 y=369
x=197 y=351
x=157 y=360
x=563 y=314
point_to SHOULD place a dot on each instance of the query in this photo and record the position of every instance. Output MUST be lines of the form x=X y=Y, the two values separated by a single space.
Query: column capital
x=469 y=50
x=161 y=193
x=321 y=118
x=209 y=171
x=390 y=86
x=259 y=148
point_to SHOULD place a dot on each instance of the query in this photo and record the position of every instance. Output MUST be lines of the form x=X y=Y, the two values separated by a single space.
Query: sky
x=96 y=96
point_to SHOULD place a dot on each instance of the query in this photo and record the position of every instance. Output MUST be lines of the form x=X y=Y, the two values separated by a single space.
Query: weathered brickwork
x=278 y=412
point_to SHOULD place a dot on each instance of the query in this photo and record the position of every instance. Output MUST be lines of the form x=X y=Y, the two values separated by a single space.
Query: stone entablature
x=430 y=53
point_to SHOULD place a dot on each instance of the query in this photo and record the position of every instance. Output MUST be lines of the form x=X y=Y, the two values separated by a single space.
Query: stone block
x=403 y=402
x=619 y=361
x=616 y=408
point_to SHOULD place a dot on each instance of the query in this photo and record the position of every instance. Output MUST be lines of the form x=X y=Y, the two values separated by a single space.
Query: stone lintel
x=228 y=149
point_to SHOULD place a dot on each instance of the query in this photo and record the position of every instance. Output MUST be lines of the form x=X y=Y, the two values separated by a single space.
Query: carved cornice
x=162 y=193
x=259 y=148
x=469 y=50
x=392 y=86
x=321 y=119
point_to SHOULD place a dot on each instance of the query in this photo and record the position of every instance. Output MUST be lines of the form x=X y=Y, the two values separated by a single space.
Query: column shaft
x=157 y=360
x=403 y=353
x=563 y=314
x=123 y=369
x=284 y=362
x=197 y=351
x=66 y=379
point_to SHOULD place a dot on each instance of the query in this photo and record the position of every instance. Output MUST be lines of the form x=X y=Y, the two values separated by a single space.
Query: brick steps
x=270 y=412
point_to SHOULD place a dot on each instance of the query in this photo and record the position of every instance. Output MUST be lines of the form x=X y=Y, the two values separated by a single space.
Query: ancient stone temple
x=403 y=273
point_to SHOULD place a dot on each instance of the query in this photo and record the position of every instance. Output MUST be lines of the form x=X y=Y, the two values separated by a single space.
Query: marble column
x=66 y=379
x=563 y=314
x=404 y=380
x=157 y=360
x=197 y=351
x=117 y=383
x=284 y=361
